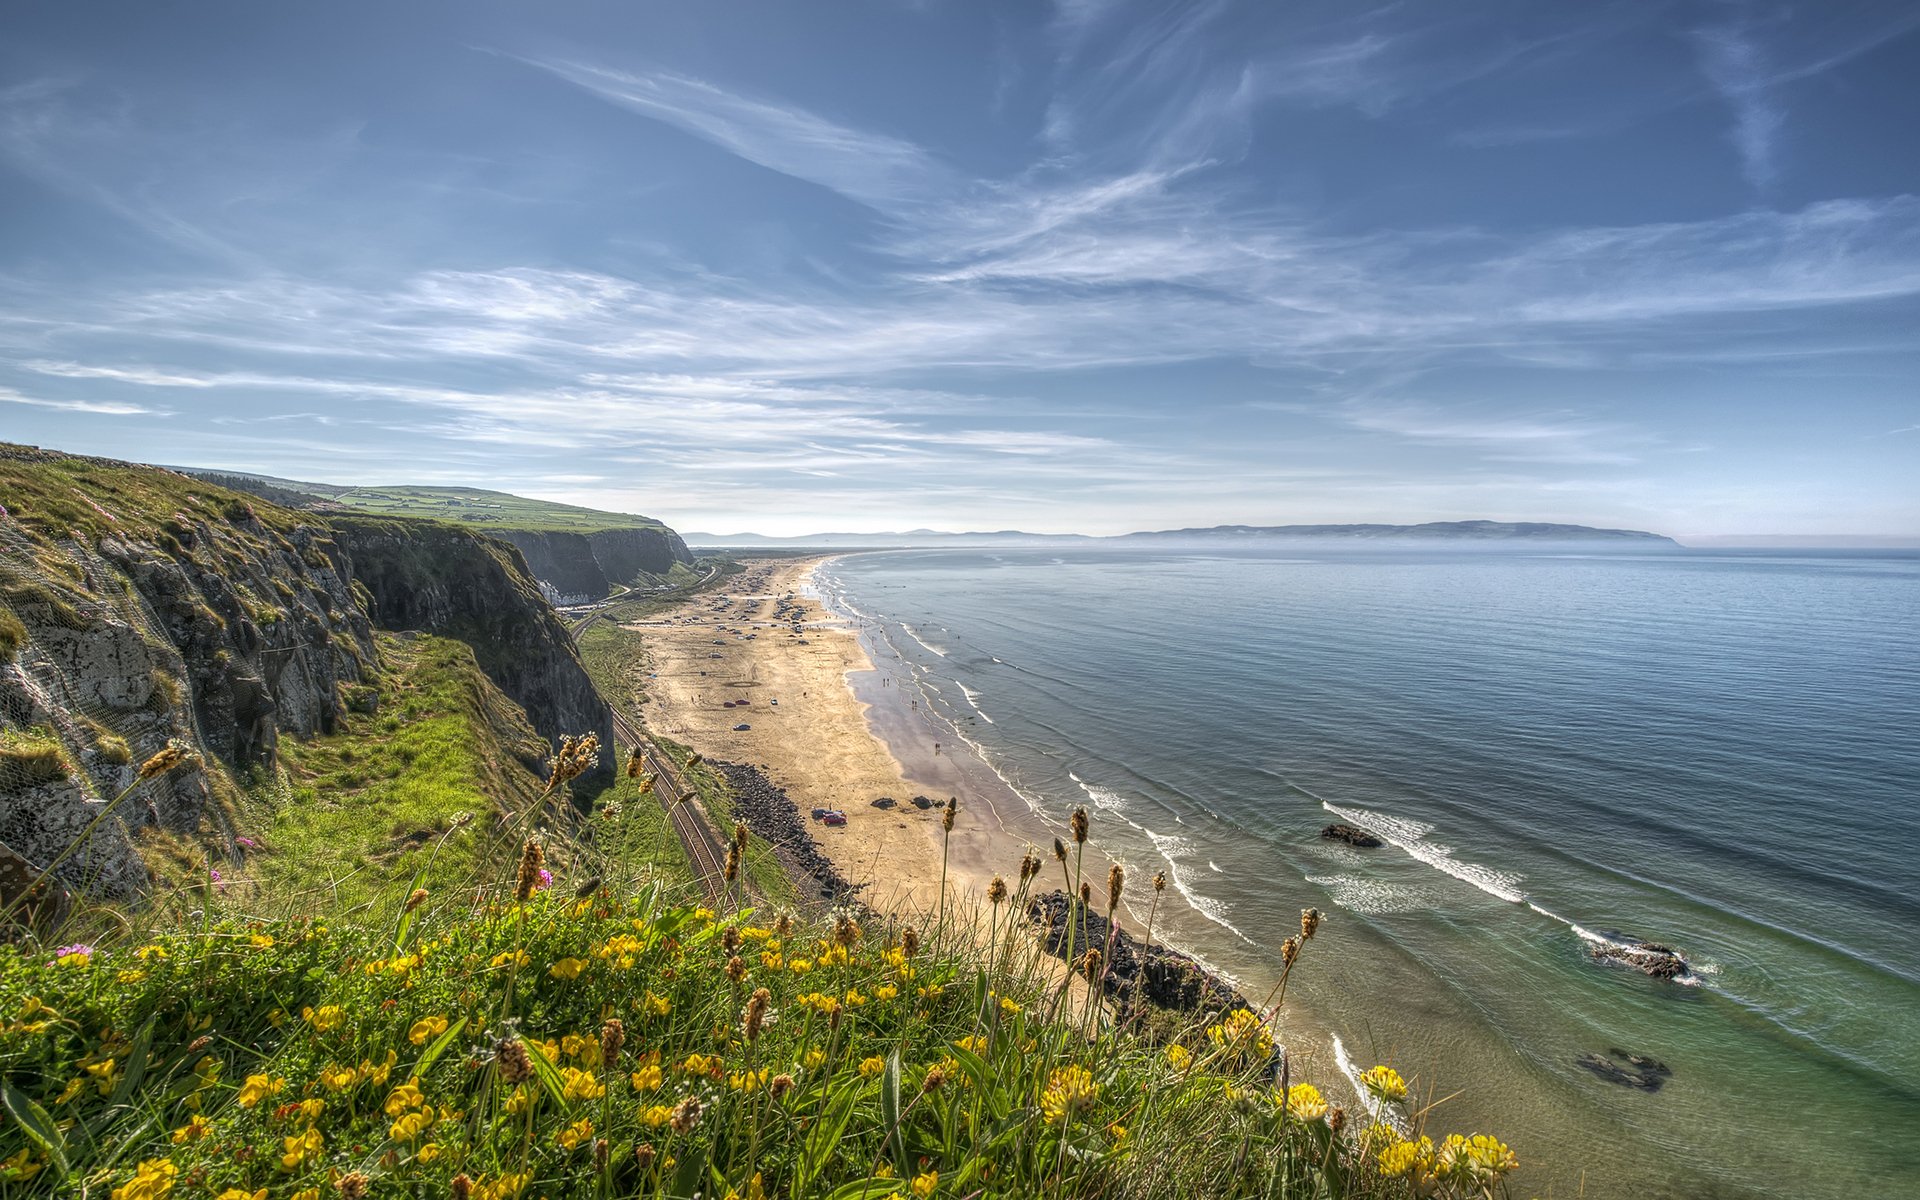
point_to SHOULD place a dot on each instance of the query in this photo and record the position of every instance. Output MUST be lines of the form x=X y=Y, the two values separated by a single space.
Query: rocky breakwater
x=590 y=564
x=772 y=816
x=139 y=608
x=452 y=581
x=1135 y=972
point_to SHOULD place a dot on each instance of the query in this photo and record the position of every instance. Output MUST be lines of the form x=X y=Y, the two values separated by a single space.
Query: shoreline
x=841 y=736
x=819 y=725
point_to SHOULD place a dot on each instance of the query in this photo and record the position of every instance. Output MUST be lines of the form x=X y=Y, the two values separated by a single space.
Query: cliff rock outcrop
x=588 y=565
x=139 y=607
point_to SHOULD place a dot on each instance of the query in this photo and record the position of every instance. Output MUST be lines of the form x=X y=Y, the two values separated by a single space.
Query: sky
x=1093 y=265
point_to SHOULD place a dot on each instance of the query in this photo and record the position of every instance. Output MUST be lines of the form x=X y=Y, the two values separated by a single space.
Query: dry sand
x=819 y=742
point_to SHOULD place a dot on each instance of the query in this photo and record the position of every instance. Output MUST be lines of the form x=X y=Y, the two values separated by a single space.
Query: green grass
x=477 y=506
x=13 y=634
x=605 y=1039
x=366 y=808
x=762 y=868
x=29 y=757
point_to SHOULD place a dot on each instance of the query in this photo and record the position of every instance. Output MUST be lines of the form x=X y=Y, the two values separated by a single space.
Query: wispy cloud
x=1735 y=62
x=869 y=167
x=107 y=408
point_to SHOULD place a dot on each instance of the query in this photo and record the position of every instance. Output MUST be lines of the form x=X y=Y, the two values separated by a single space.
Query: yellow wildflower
x=567 y=968
x=1304 y=1102
x=574 y=1135
x=151 y=1180
x=132 y=976
x=1178 y=1056
x=813 y=1060
x=425 y=1029
x=659 y=1006
x=301 y=1147
x=1068 y=1088
x=19 y=1168
x=258 y=1088
x=338 y=1079
x=407 y=1095
x=324 y=1018
x=1384 y=1082
x=885 y=992
x=1401 y=1157
x=657 y=1115
x=1243 y=1037
x=973 y=1043
x=581 y=1085
x=924 y=1185
x=261 y=941
x=647 y=1078
x=869 y=1067
x=411 y=1125
x=427 y=1153
x=510 y=958
x=242 y=1194
x=149 y=953
x=192 y=1131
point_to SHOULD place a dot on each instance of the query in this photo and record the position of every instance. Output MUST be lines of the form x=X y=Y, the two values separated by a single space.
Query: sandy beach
x=818 y=712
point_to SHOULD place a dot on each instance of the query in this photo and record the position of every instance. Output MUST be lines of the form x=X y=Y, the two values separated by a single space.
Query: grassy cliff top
x=57 y=495
x=467 y=506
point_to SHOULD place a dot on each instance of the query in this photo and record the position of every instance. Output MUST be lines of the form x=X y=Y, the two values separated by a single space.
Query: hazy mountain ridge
x=1430 y=531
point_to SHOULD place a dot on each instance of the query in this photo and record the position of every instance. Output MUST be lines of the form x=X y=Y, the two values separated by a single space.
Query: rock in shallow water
x=1352 y=835
x=1627 y=1070
x=1651 y=958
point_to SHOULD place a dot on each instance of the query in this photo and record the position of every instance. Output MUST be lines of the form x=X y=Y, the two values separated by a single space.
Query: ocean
x=1717 y=751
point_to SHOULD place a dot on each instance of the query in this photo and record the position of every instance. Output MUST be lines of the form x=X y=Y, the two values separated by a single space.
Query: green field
x=477 y=506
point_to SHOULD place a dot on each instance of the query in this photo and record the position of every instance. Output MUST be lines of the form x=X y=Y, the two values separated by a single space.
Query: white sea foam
x=1359 y=894
x=915 y=635
x=1104 y=799
x=1215 y=866
x=1171 y=848
x=1379 y=1110
x=1410 y=836
x=973 y=698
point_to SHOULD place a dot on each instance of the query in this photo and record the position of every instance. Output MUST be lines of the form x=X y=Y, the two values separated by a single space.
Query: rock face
x=1134 y=972
x=1661 y=962
x=451 y=581
x=139 y=606
x=1352 y=835
x=587 y=565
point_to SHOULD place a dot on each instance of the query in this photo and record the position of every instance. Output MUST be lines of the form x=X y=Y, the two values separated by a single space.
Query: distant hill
x=1429 y=532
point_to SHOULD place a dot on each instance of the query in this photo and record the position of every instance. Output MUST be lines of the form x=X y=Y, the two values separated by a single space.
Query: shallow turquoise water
x=1718 y=751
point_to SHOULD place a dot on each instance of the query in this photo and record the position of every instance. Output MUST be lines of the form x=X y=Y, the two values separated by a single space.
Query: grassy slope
x=482 y=508
x=598 y=1047
x=362 y=810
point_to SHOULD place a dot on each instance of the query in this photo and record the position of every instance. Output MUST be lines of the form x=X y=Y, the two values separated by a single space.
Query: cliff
x=454 y=582
x=140 y=607
x=588 y=565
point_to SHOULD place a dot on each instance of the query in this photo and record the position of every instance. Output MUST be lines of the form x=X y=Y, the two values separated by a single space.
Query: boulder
x=1650 y=958
x=1627 y=1070
x=1352 y=835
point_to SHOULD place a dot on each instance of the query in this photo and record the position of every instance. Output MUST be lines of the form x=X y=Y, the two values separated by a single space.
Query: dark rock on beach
x=1352 y=835
x=1134 y=971
x=884 y=802
x=1627 y=1070
x=1651 y=958
x=773 y=817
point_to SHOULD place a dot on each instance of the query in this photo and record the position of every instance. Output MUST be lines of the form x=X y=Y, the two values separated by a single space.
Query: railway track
x=706 y=849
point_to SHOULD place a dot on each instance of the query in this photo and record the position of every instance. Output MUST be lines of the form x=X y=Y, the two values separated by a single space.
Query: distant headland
x=1430 y=532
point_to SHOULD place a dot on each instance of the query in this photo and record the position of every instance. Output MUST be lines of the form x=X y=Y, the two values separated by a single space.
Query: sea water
x=1717 y=751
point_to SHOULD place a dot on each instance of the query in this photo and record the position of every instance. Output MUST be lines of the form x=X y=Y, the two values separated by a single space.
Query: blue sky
x=1095 y=265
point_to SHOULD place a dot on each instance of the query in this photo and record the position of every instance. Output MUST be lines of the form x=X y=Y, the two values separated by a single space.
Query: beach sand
x=815 y=702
